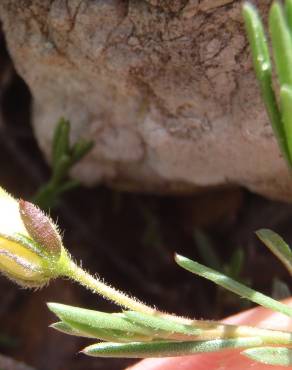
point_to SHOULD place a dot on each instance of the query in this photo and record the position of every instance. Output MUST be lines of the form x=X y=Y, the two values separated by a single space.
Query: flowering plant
x=32 y=253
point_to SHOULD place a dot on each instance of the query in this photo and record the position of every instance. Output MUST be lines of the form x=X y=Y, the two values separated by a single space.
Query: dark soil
x=129 y=239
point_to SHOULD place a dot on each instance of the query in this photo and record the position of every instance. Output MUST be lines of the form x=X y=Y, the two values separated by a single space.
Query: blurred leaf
x=60 y=144
x=277 y=245
x=280 y=290
x=206 y=250
x=64 y=157
x=236 y=263
x=279 y=356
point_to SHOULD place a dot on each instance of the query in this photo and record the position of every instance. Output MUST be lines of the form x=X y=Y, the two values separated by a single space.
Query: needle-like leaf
x=263 y=69
x=281 y=43
x=286 y=111
x=232 y=285
x=167 y=349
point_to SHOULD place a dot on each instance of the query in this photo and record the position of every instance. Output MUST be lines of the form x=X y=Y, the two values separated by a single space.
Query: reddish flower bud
x=41 y=228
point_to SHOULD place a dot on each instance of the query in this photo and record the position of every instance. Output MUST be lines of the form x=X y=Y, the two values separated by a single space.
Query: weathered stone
x=165 y=88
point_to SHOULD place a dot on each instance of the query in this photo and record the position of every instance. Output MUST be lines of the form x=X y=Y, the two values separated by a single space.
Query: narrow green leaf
x=60 y=140
x=288 y=9
x=277 y=246
x=167 y=349
x=80 y=149
x=95 y=319
x=206 y=250
x=108 y=335
x=62 y=327
x=286 y=111
x=281 y=43
x=232 y=285
x=236 y=262
x=263 y=69
x=60 y=171
x=279 y=356
x=258 y=42
x=159 y=323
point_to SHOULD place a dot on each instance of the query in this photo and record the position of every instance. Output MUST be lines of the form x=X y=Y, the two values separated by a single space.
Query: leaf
x=281 y=43
x=206 y=250
x=62 y=327
x=232 y=285
x=286 y=111
x=280 y=289
x=80 y=149
x=277 y=245
x=236 y=263
x=159 y=323
x=83 y=330
x=263 y=69
x=166 y=349
x=279 y=356
x=60 y=170
x=288 y=9
x=95 y=319
x=60 y=140
x=258 y=42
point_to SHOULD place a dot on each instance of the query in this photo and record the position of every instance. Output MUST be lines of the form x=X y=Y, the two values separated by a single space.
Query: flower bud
x=41 y=228
x=31 y=250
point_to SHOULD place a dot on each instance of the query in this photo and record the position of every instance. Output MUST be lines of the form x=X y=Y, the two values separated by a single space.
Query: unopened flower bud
x=40 y=228
x=31 y=250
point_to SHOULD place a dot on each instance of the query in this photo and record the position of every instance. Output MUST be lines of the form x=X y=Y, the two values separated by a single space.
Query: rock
x=164 y=87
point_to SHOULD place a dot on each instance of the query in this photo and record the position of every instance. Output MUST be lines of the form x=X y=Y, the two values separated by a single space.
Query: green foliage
x=32 y=253
x=232 y=268
x=64 y=157
x=280 y=28
x=150 y=333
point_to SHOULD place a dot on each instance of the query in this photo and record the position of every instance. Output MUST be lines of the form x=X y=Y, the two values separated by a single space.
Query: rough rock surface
x=165 y=88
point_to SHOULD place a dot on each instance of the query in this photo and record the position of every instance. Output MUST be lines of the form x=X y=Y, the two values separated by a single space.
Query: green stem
x=77 y=274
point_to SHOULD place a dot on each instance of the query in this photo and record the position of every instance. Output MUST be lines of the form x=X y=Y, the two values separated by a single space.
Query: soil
x=128 y=239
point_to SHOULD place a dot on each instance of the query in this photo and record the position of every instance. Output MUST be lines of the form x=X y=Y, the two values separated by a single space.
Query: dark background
x=129 y=239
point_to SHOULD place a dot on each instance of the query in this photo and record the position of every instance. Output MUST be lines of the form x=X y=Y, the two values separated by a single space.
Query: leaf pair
x=280 y=27
x=135 y=335
x=120 y=327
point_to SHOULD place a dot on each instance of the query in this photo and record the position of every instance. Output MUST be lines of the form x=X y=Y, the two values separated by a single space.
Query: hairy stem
x=76 y=273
